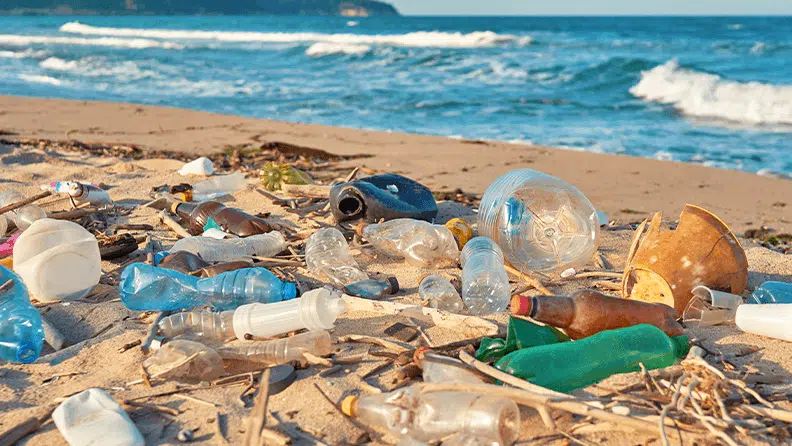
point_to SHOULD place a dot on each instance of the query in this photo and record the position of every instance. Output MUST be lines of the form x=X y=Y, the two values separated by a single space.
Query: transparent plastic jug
x=218 y=186
x=485 y=284
x=24 y=216
x=441 y=294
x=771 y=320
x=229 y=250
x=205 y=366
x=327 y=254
x=21 y=332
x=773 y=293
x=92 y=418
x=418 y=242
x=279 y=351
x=540 y=222
x=58 y=260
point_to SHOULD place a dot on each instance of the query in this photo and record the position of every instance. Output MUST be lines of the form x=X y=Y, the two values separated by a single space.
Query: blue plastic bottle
x=772 y=293
x=21 y=332
x=144 y=287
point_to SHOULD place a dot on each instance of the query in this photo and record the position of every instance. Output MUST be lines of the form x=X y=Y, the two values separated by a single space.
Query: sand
x=98 y=326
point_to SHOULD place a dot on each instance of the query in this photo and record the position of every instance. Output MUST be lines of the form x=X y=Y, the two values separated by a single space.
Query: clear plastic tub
x=327 y=254
x=229 y=250
x=280 y=351
x=485 y=284
x=92 y=417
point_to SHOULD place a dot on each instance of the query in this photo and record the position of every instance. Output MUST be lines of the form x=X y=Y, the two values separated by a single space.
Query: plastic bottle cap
x=348 y=406
x=520 y=305
x=289 y=291
x=461 y=230
x=393 y=284
x=418 y=356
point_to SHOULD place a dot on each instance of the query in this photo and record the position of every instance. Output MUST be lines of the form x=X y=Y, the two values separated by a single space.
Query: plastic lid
x=158 y=257
x=521 y=305
x=289 y=291
x=681 y=346
x=348 y=406
x=393 y=284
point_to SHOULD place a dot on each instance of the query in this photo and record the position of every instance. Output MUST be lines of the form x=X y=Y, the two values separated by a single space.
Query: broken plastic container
x=709 y=307
x=200 y=166
x=81 y=192
x=218 y=186
x=387 y=196
x=771 y=320
x=22 y=217
x=540 y=222
x=569 y=366
x=773 y=293
x=206 y=325
x=373 y=289
x=92 y=417
x=327 y=254
x=21 y=332
x=205 y=366
x=229 y=250
x=432 y=416
x=441 y=294
x=280 y=351
x=212 y=214
x=58 y=260
x=485 y=284
x=144 y=287
x=418 y=242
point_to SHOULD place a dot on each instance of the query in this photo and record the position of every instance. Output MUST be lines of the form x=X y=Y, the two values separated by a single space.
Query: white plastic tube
x=771 y=320
x=315 y=310
x=93 y=418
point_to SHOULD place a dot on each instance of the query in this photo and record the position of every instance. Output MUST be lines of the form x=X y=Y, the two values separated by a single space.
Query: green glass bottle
x=521 y=334
x=573 y=365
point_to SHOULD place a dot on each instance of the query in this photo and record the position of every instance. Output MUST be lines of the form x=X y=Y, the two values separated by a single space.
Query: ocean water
x=714 y=91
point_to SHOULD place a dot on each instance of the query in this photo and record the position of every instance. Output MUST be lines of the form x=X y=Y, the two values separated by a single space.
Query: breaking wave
x=710 y=96
x=324 y=48
x=97 y=67
x=427 y=39
x=19 y=40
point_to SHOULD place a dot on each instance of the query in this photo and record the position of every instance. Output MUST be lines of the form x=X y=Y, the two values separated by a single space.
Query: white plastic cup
x=771 y=320
x=57 y=260
x=709 y=307
x=201 y=166
x=92 y=417
x=315 y=310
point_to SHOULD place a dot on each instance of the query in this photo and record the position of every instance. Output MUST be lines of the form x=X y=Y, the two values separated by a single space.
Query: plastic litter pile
x=222 y=294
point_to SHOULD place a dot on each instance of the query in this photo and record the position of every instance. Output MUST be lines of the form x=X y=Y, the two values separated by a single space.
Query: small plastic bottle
x=540 y=222
x=373 y=289
x=206 y=325
x=432 y=416
x=92 y=417
x=280 y=351
x=443 y=369
x=206 y=366
x=441 y=294
x=418 y=242
x=21 y=331
x=229 y=250
x=771 y=320
x=485 y=284
x=81 y=192
x=773 y=293
x=24 y=216
x=212 y=214
x=144 y=287
x=327 y=254
x=218 y=186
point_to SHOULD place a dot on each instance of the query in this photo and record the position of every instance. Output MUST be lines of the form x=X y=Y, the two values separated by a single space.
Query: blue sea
x=713 y=91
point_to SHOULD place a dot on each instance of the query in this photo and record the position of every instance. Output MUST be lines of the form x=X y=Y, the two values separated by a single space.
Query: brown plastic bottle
x=230 y=220
x=587 y=312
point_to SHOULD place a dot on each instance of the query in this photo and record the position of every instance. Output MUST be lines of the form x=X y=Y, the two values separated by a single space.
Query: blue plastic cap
x=159 y=256
x=289 y=291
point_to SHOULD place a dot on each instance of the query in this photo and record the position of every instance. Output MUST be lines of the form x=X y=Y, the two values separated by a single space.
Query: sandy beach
x=627 y=189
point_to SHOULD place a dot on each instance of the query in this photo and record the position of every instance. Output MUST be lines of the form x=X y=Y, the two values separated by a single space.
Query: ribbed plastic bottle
x=441 y=294
x=419 y=242
x=280 y=351
x=432 y=416
x=92 y=417
x=569 y=366
x=21 y=332
x=540 y=222
x=209 y=214
x=327 y=254
x=772 y=293
x=218 y=186
x=24 y=216
x=205 y=325
x=145 y=287
x=485 y=284
x=229 y=250
x=771 y=320
x=373 y=289
x=206 y=366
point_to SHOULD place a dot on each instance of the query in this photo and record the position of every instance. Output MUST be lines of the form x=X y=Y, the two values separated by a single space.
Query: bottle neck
x=183 y=210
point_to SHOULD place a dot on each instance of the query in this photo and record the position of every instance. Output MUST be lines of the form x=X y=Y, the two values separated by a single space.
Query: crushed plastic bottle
x=540 y=222
x=205 y=325
x=772 y=293
x=81 y=193
x=144 y=287
x=771 y=320
x=443 y=369
x=387 y=196
x=373 y=289
x=569 y=366
x=420 y=243
x=520 y=334
x=485 y=284
x=432 y=416
x=92 y=417
x=274 y=175
x=24 y=216
x=199 y=166
x=206 y=366
x=230 y=250
x=327 y=254
x=58 y=260
x=212 y=214
x=218 y=186
x=441 y=294
x=21 y=331
x=280 y=351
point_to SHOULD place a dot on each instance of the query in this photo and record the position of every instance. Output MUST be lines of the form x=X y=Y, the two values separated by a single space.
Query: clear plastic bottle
x=327 y=254
x=24 y=216
x=92 y=417
x=441 y=294
x=218 y=186
x=418 y=242
x=144 y=287
x=443 y=369
x=229 y=250
x=432 y=416
x=206 y=366
x=21 y=331
x=373 y=289
x=280 y=351
x=81 y=192
x=773 y=293
x=540 y=222
x=206 y=325
x=485 y=284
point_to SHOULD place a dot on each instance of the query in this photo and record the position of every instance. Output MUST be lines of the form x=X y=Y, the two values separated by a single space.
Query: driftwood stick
x=307 y=190
x=152 y=333
x=390 y=345
x=73 y=214
x=25 y=202
x=530 y=280
x=174 y=226
x=258 y=418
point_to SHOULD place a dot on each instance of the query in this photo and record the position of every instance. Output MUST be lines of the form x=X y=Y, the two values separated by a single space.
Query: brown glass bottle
x=587 y=312
x=230 y=220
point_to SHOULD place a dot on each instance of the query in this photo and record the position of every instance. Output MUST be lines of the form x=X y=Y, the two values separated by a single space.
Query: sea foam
x=427 y=39
x=20 y=40
x=325 y=48
x=709 y=96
